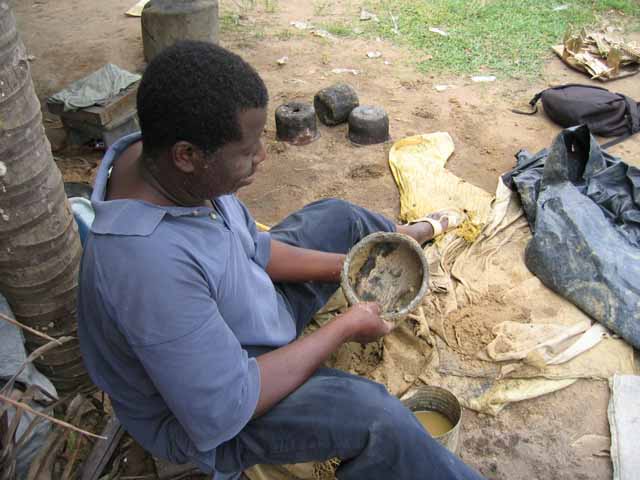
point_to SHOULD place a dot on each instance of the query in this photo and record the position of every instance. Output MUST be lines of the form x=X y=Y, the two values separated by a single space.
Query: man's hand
x=365 y=323
x=286 y=368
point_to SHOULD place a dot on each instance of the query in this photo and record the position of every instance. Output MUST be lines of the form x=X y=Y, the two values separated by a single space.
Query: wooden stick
x=28 y=329
x=35 y=354
x=102 y=452
x=66 y=475
x=26 y=407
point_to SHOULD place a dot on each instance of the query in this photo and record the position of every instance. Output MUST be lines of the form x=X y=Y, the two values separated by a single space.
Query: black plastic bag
x=605 y=113
x=583 y=205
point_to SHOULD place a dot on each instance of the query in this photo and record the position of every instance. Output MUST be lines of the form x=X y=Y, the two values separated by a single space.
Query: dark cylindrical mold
x=368 y=125
x=164 y=22
x=334 y=104
x=296 y=123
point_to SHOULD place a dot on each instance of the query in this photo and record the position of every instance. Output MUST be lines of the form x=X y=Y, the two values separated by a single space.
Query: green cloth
x=95 y=89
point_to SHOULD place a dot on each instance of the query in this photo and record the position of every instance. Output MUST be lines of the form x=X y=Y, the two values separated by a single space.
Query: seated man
x=190 y=319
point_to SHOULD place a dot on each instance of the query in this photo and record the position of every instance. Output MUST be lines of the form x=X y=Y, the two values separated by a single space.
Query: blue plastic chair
x=83 y=214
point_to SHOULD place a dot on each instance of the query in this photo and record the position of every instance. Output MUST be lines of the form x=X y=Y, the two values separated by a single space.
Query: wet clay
x=387 y=273
x=434 y=422
x=326 y=470
x=470 y=329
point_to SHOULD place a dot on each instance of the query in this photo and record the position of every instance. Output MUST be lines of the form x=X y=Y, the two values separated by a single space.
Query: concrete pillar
x=164 y=22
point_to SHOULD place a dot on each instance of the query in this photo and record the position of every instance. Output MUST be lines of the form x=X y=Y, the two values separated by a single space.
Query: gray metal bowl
x=388 y=268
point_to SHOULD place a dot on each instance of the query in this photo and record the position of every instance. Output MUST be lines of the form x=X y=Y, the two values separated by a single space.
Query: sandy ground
x=70 y=39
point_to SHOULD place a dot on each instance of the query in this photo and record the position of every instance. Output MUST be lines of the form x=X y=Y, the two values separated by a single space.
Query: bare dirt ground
x=70 y=39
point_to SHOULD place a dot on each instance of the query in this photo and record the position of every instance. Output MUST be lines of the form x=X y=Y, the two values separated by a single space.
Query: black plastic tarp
x=583 y=206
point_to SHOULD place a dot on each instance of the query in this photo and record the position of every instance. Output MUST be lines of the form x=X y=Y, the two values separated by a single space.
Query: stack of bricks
x=106 y=123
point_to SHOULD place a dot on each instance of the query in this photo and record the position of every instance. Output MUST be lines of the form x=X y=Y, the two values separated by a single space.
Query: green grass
x=271 y=6
x=321 y=7
x=628 y=7
x=284 y=35
x=503 y=37
x=229 y=22
x=337 y=29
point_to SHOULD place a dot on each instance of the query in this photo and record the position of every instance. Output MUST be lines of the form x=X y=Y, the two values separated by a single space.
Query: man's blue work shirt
x=168 y=298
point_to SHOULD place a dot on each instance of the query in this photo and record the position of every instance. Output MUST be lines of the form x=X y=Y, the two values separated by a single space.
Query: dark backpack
x=605 y=113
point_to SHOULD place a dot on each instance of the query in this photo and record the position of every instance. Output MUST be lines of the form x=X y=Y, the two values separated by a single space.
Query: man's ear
x=185 y=156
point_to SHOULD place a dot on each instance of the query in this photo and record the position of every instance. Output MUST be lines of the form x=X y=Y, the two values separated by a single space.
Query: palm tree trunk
x=39 y=243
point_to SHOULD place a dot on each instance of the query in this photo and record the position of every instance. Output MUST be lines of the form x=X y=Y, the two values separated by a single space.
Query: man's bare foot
x=432 y=225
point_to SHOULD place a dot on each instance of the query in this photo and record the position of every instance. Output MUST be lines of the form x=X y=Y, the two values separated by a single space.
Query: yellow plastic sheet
x=262 y=227
x=136 y=10
x=504 y=392
x=418 y=167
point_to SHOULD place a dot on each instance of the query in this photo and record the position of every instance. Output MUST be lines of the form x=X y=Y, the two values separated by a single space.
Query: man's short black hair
x=194 y=91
